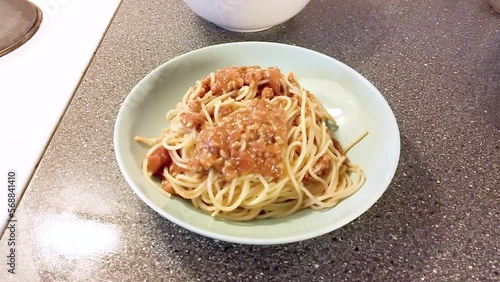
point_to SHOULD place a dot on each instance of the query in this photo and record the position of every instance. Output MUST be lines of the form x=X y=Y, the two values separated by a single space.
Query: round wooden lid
x=19 y=20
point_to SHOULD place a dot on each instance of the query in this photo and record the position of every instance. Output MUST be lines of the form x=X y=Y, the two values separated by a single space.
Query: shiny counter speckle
x=436 y=62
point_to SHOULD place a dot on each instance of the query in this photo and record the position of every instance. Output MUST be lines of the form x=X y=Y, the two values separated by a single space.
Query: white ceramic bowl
x=246 y=15
x=353 y=101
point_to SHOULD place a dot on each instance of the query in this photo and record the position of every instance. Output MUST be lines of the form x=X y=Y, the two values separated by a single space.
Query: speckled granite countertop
x=436 y=62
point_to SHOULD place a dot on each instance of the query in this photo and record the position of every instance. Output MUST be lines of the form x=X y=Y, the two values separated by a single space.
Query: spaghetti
x=247 y=142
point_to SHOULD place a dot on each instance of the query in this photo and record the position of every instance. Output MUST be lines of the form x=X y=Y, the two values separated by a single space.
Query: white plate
x=355 y=103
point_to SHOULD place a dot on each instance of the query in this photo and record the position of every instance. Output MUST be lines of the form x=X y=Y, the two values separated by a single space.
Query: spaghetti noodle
x=247 y=142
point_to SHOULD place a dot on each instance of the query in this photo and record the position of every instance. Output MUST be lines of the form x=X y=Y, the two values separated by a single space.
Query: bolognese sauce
x=250 y=139
x=233 y=78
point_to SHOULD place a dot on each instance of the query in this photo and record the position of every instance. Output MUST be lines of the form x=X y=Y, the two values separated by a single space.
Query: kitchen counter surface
x=436 y=62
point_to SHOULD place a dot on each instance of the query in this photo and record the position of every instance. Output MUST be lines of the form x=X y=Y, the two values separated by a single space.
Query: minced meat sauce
x=249 y=140
x=233 y=78
x=246 y=140
x=229 y=79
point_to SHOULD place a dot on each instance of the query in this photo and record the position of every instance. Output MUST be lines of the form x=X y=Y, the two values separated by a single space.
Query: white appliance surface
x=37 y=82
